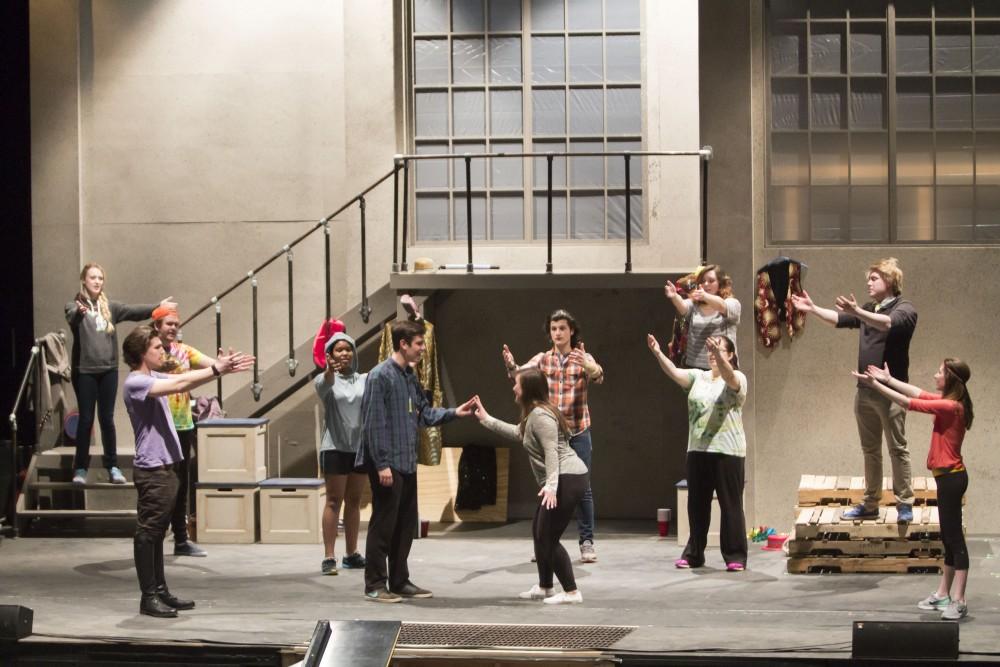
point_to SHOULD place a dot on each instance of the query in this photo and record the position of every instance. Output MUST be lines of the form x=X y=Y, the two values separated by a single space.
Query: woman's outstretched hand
x=864 y=378
x=880 y=374
x=478 y=409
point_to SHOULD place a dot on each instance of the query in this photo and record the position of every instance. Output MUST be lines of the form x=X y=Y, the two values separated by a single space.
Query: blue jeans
x=581 y=444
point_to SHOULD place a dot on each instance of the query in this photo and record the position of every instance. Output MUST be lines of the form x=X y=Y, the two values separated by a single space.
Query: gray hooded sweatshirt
x=341 y=401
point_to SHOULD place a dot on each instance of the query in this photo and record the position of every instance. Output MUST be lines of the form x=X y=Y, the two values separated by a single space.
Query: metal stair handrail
x=36 y=349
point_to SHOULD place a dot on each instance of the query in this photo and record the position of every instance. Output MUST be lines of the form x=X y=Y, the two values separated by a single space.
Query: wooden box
x=291 y=510
x=227 y=513
x=232 y=450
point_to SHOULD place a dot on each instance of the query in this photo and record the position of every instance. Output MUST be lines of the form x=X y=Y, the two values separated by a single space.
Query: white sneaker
x=587 y=552
x=576 y=597
x=536 y=593
x=953 y=612
x=80 y=476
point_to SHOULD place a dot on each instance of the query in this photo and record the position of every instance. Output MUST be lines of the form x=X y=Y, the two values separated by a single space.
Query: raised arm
x=121 y=312
x=668 y=367
x=725 y=368
x=883 y=376
x=713 y=301
x=679 y=303
x=806 y=305
x=590 y=366
x=233 y=362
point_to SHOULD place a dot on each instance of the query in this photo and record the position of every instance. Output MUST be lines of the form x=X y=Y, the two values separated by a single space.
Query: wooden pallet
x=847 y=490
x=871 y=548
x=825 y=522
x=888 y=565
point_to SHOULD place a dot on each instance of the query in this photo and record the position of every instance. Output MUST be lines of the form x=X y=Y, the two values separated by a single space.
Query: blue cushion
x=247 y=421
x=291 y=483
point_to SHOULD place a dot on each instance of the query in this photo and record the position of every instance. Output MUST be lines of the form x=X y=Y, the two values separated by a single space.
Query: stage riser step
x=879 y=548
x=847 y=565
x=850 y=490
x=823 y=522
x=82 y=514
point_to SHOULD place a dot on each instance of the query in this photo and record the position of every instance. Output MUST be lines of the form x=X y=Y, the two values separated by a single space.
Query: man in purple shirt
x=157 y=452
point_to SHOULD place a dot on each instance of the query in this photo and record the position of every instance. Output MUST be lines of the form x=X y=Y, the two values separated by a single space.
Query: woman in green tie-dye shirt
x=716 y=452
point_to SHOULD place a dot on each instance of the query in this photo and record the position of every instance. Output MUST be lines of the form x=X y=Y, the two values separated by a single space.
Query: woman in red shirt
x=952 y=410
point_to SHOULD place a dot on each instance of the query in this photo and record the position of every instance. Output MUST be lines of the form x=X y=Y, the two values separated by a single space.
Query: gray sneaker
x=954 y=611
x=328 y=566
x=933 y=603
x=587 y=552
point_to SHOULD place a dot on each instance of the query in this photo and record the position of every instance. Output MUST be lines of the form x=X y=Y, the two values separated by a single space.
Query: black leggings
x=549 y=525
x=950 y=489
x=95 y=392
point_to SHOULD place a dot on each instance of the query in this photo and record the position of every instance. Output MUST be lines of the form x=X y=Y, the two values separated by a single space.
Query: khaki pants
x=877 y=414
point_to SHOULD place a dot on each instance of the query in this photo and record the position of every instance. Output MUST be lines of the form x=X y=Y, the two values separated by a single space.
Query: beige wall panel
x=206 y=147
x=184 y=121
x=55 y=195
x=370 y=59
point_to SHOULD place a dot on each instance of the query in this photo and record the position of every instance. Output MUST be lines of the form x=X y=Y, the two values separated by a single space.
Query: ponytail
x=956 y=377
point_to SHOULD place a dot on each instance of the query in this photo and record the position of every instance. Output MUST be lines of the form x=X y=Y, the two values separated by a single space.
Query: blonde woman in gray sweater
x=562 y=475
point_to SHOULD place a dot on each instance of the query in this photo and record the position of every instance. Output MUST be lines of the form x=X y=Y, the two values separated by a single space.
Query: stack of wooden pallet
x=826 y=542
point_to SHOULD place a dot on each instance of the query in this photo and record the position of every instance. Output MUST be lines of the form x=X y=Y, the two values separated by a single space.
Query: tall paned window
x=884 y=121
x=526 y=76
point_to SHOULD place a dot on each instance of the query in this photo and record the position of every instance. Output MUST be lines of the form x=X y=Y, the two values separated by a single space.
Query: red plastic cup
x=425 y=527
x=663 y=521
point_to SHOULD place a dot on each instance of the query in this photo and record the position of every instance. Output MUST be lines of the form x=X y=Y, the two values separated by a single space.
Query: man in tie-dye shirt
x=180 y=359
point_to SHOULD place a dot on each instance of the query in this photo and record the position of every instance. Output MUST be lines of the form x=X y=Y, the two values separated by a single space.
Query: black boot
x=161 y=583
x=144 y=551
x=167 y=598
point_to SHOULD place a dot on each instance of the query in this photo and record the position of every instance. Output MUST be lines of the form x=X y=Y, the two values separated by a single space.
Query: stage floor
x=273 y=594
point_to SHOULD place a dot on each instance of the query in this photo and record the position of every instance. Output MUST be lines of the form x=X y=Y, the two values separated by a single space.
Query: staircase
x=49 y=493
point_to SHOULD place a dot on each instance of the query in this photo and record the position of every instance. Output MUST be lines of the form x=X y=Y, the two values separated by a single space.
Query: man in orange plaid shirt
x=569 y=370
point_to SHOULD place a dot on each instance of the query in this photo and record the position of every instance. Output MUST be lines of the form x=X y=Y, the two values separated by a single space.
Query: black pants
x=95 y=392
x=548 y=527
x=157 y=493
x=950 y=489
x=187 y=477
x=724 y=475
x=390 y=530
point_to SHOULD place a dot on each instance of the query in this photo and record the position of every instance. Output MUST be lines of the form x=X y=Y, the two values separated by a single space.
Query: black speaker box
x=905 y=639
x=15 y=622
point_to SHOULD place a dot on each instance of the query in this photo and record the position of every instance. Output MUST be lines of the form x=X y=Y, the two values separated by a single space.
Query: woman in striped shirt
x=710 y=310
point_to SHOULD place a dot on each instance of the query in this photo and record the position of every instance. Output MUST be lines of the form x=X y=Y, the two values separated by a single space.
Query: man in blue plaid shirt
x=394 y=406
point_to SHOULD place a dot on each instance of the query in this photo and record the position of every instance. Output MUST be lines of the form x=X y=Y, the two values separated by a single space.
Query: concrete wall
x=800 y=414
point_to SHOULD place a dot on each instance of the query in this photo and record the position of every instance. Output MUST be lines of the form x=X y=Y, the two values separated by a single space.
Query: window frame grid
x=455 y=189
x=891 y=21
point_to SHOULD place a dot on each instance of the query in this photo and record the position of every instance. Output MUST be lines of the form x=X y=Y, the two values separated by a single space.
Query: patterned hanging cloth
x=777 y=281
